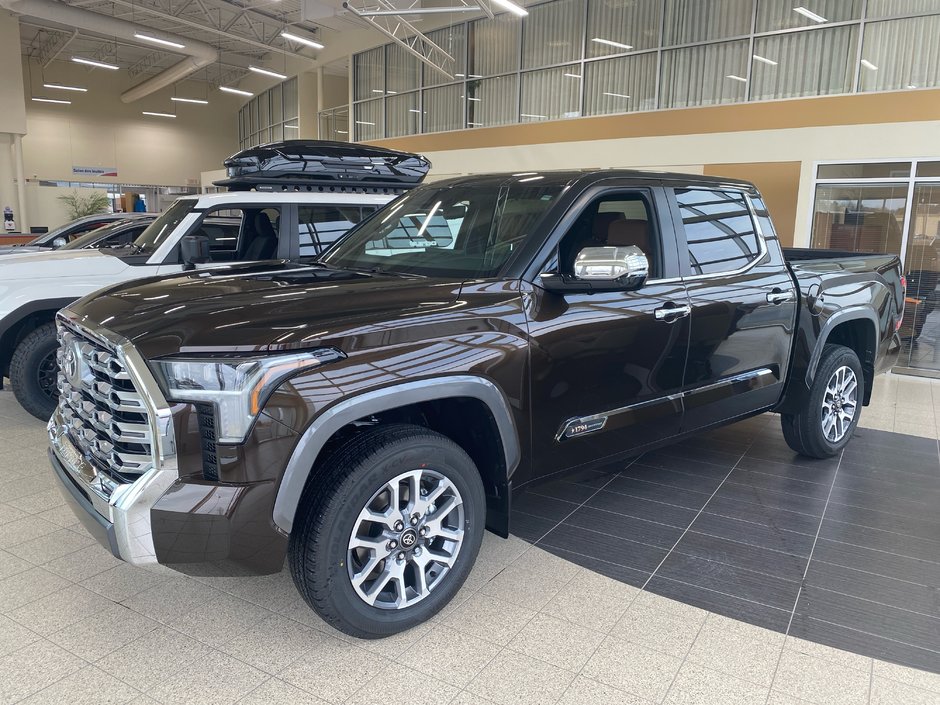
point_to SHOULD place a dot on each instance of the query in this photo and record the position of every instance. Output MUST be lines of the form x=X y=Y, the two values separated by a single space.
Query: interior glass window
x=719 y=230
x=321 y=226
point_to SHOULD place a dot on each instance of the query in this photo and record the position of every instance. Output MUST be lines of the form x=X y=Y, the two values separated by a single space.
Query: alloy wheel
x=406 y=539
x=840 y=404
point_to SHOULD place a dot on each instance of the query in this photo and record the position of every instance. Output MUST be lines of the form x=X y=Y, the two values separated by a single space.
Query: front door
x=743 y=306
x=606 y=368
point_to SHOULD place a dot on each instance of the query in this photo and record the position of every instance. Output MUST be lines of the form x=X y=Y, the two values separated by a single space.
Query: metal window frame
x=751 y=37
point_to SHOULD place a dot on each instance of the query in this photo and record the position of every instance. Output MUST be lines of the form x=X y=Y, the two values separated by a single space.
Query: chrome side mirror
x=601 y=269
x=59 y=242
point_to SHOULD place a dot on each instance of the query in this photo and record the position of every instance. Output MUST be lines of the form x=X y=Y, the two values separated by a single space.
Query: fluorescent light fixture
x=52 y=100
x=472 y=75
x=237 y=91
x=291 y=127
x=414 y=110
x=573 y=75
x=342 y=132
x=197 y=101
x=526 y=173
x=148 y=112
x=302 y=40
x=618 y=95
x=534 y=117
x=60 y=87
x=765 y=60
x=98 y=64
x=531 y=178
x=512 y=7
x=475 y=124
x=377 y=90
x=157 y=40
x=363 y=122
x=476 y=100
x=266 y=72
x=611 y=43
x=810 y=14
x=911 y=85
x=868 y=65
x=736 y=78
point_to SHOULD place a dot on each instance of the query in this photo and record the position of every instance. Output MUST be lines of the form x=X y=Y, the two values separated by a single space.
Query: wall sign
x=94 y=171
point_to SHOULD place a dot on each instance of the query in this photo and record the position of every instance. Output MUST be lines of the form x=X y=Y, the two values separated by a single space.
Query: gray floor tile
x=698 y=685
x=450 y=655
x=96 y=637
x=156 y=657
x=888 y=692
x=400 y=684
x=276 y=692
x=584 y=691
x=737 y=649
x=34 y=667
x=212 y=679
x=633 y=668
x=60 y=609
x=122 y=582
x=51 y=546
x=333 y=672
x=14 y=636
x=83 y=563
x=489 y=619
x=89 y=686
x=30 y=585
x=821 y=681
x=661 y=624
x=560 y=643
x=516 y=679
x=274 y=643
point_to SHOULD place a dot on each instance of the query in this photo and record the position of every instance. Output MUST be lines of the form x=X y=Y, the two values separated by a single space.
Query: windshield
x=91 y=237
x=467 y=230
x=160 y=229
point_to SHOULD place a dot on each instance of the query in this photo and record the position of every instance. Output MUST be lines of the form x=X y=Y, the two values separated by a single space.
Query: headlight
x=238 y=387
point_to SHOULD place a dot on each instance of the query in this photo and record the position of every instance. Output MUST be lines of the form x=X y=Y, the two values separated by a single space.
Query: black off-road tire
x=29 y=365
x=803 y=431
x=331 y=504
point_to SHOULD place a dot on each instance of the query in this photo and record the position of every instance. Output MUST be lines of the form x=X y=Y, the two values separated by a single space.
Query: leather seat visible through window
x=623 y=233
x=264 y=244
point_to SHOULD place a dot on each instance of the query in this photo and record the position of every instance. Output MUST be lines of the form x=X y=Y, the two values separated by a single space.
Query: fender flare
x=853 y=313
x=345 y=412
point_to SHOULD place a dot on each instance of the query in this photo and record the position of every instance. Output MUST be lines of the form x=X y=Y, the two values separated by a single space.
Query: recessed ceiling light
x=617 y=95
x=736 y=78
x=267 y=72
x=765 y=60
x=98 y=64
x=60 y=87
x=868 y=65
x=810 y=14
x=157 y=40
x=198 y=101
x=512 y=7
x=52 y=100
x=611 y=43
x=148 y=112
x=302 y=40
x=237 y=91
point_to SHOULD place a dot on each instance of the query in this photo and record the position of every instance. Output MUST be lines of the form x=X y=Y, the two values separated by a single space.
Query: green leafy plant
x=79 y=206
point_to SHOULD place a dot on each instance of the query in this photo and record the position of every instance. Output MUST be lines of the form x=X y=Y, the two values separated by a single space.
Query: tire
x=357 y=477
x=805 y=431
x=32 y=377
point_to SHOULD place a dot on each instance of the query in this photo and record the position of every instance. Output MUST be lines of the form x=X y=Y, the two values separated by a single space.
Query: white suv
x=271 y=225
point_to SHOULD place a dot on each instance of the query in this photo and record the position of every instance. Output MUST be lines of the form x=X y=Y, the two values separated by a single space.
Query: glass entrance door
x=920 y=331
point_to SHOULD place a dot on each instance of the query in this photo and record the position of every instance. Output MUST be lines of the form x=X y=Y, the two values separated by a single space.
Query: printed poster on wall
x=95 y=171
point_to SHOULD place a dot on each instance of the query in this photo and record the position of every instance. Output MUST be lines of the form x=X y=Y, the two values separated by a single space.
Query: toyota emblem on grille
x=73 y=364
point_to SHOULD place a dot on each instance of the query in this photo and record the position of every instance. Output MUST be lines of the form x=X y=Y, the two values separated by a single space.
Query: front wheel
x=833 y=409
x=33 y=371
x=388 y=530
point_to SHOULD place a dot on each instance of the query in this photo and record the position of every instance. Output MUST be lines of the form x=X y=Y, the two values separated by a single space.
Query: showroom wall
x=757 y=141
x=98 y=130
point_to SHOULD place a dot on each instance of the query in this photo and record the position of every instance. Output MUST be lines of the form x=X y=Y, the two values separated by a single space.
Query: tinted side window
x=125 y=237
x=321 y=226
x=719 y=230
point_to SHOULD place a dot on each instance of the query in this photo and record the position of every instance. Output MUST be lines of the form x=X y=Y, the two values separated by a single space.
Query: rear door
x=743 y=304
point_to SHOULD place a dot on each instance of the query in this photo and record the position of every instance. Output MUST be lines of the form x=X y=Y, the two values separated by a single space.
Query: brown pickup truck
x=368 y=412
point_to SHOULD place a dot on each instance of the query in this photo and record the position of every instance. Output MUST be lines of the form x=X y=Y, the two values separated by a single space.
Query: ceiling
x=245 y=31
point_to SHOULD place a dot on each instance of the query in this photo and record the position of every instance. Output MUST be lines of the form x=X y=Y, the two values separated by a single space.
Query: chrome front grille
x=100 y=405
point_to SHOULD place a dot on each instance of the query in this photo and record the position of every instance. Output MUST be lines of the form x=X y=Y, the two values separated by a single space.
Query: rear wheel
x=834 y=406
x=388 y=531
x=33 y=371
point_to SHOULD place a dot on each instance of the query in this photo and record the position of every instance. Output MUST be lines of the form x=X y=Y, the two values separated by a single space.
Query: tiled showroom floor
x=717 y=533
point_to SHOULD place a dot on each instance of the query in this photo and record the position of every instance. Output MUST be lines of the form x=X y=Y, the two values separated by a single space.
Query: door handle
x=777 y=297
x=672 y=313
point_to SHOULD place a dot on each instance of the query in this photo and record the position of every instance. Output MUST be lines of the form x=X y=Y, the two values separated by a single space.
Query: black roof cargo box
x=309 y=165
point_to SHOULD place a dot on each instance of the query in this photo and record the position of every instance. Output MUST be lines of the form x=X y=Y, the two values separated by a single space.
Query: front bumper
x=117 y=515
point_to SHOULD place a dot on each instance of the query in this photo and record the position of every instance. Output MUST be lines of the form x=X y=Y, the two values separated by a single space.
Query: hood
x=21 y=249
x=55 y=264
x=266 y=308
